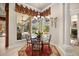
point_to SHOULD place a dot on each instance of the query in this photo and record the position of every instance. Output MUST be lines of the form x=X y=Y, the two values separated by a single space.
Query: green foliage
x=46 y=28
x=74 y=33
x=39 y=33
x=34 y=29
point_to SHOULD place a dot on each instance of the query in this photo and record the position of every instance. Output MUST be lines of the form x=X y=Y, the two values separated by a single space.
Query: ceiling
x=39 y=6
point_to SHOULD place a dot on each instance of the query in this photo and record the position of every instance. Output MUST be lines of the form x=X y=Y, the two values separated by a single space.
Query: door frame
x=7 y=24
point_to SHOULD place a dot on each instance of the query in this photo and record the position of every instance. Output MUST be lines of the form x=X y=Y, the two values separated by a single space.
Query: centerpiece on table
x=39 y=34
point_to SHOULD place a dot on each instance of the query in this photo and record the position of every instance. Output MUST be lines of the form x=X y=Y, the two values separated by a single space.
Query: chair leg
x=41 y=49
x=49 y=47
x=32 y=50
x=27 y=44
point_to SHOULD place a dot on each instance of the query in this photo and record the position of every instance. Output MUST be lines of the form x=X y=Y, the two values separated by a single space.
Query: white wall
x=53 y=29
x=61 y=24
x=12 y=24
x=57 y=33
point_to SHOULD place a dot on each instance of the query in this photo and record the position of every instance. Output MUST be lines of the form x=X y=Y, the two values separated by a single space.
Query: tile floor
x=71 y=50
x=2 y=42
x=12 y=51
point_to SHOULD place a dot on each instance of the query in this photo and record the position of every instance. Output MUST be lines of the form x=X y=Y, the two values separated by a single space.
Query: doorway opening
x=4 y=25
x=74 y=30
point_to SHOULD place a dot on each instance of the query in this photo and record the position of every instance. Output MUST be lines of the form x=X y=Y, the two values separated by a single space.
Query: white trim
x=60 y=50
x=74 y=11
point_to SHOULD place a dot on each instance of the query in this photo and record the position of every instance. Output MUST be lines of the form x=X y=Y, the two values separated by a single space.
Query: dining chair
x=36 y=47
x=47 y=42
x=28 y=40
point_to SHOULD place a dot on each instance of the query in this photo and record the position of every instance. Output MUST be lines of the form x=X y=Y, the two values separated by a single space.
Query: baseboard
x=60 y=49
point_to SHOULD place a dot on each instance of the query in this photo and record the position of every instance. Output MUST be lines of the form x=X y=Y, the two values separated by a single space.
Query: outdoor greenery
x=46 y=28
x=27 y=28
x=34 y=29
x=39 y=34
x=74 y=33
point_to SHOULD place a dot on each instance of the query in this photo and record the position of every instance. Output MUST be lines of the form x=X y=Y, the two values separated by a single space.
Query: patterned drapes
x=46 y=12
x=25 y=10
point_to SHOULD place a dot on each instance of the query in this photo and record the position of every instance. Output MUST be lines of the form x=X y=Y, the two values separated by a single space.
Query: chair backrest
x=27 y=37
x=49 y=38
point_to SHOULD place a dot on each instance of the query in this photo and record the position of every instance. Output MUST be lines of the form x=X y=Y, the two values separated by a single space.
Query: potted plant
x=39 y=34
